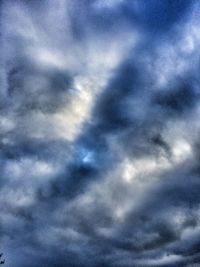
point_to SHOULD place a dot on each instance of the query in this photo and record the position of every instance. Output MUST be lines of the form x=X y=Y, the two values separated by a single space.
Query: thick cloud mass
x=99 y=133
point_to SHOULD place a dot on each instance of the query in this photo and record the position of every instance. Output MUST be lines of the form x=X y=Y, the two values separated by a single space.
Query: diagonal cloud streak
x=99 y=133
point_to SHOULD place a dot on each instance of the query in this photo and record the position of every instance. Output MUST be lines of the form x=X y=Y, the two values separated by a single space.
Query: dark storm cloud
x=28 y=99
x=159 y=16
x=178 y=100
x=154 y=17
x=99 y=133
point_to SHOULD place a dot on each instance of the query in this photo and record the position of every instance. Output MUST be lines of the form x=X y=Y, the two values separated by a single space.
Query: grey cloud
x=99 y=133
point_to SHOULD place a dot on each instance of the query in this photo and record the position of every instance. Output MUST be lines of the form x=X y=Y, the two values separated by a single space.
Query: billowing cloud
x=99 y=133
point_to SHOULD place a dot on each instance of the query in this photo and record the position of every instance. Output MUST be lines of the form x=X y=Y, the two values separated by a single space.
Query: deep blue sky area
x=99 y=133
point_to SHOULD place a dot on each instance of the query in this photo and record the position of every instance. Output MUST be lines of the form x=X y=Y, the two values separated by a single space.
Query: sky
x=99 y=133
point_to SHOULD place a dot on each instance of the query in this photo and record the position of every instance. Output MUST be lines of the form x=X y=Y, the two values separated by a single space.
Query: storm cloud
x=99 y=133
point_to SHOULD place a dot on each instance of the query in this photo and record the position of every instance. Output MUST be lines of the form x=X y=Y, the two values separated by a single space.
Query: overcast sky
x=99 y=133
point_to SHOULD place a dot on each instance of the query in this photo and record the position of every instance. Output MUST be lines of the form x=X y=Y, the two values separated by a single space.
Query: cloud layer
x=99 y=133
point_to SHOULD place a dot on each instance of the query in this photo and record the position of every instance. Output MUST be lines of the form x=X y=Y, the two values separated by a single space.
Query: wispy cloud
x=99 y=133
